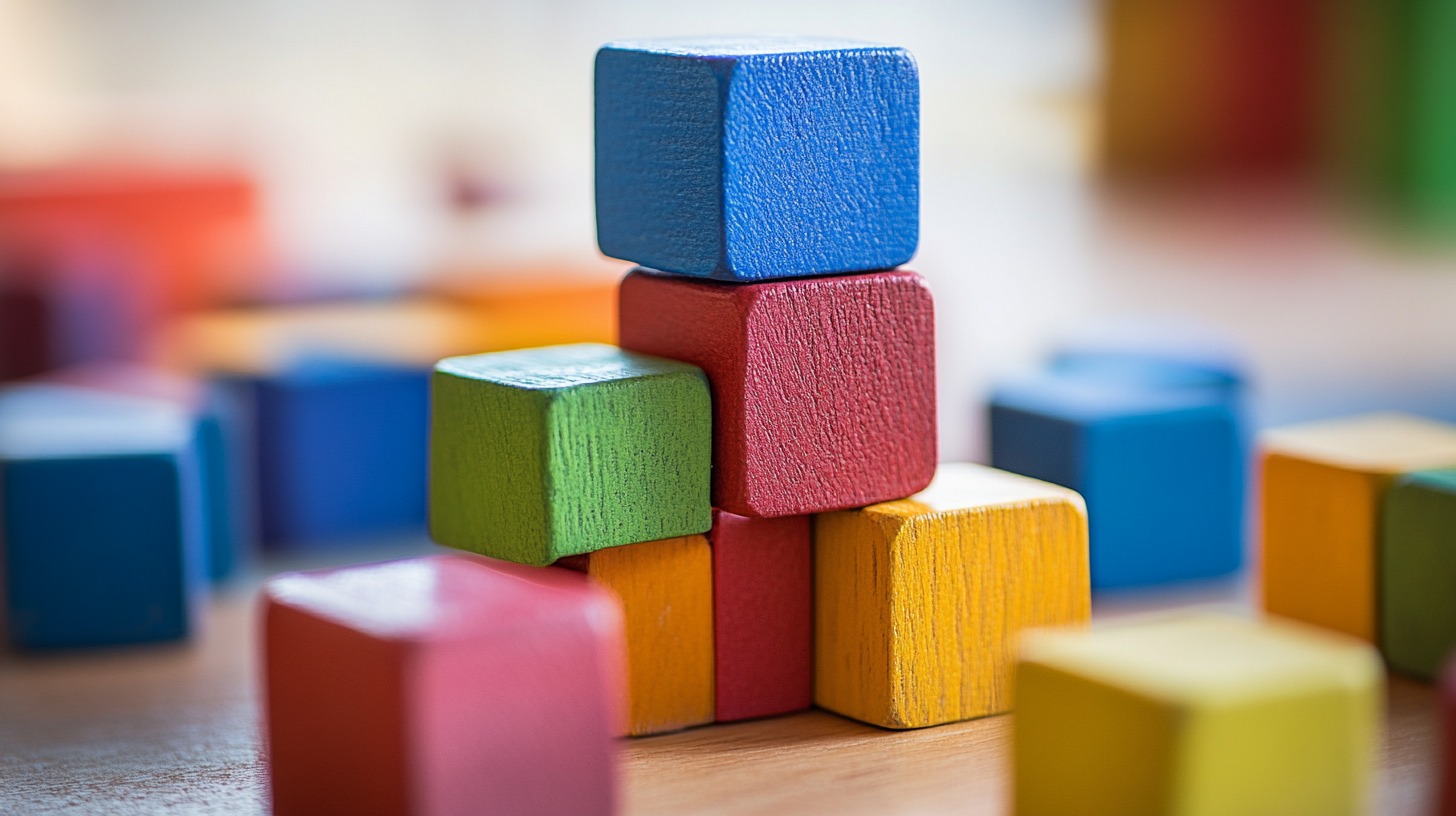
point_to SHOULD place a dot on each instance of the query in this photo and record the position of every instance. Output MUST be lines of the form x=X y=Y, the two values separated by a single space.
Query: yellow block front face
x=666 y=589
x=1195 y=717
x=918 y=602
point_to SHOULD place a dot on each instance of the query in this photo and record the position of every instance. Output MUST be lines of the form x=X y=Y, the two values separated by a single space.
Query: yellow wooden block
x=666 y=589
x=1322 y=488
x=254 y=341
x=545 y=306
x=918 y=602
x=1195 y=716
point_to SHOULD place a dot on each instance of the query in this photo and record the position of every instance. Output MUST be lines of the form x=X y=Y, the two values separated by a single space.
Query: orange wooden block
x=538 y=306
x=666 y=589
x=1322 y=487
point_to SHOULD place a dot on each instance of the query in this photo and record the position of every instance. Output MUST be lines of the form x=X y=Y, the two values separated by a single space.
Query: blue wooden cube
x=342 y=448
x=1159 y=456
x=103 y=518
x=760 y=158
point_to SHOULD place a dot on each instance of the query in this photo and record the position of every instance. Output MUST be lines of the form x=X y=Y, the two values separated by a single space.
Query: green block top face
x=1417 y=572
x=544 y=453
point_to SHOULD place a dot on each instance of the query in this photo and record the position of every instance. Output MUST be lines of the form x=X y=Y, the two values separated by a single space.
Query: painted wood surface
x=1446 y=771
x=1417 y=571
x=918 y=603
x=1195 y=715
x=1156 y=446
x=762 y=606
x=1322 y=487
x=757 y=158
x=441 y=685
x=666 y=588
x=539 y=305
x=103 y=518
x=543 y=453
x=823 y=388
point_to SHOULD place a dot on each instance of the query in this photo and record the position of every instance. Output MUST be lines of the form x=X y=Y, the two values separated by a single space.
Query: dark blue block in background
x=757 y=158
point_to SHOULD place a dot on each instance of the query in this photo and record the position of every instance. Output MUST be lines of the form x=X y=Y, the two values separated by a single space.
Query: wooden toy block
x=666 y=588
x=1195 y=716
x=102 y=518
x=756 y=158
x=918 y=602
x=441 y=685
x=1447 y=786
x=1323 y=484
x=1157 y=449
x=526 y=307
x=1417 y=570
x=221 y=432
x=543 y=453
x=823 y=389
x=762 y=605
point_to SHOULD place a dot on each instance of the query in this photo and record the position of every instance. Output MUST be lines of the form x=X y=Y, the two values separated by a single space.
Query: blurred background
x=1281 y=171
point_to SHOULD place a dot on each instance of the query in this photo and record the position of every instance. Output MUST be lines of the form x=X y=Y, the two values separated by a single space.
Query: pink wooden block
x=442 y=685
x=762 y=632
x=823 y=388
x=1447 y=794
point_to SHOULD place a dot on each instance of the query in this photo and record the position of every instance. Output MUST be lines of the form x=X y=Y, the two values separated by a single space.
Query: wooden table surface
x=175 y=729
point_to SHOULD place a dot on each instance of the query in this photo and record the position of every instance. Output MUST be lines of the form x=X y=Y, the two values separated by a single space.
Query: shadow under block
x=1195 y=716
x=823 y=388
x=342 y=450
x=1160 y=463
x=102 y=518
x=1323 y=485
x=762 y=605
x=441 y=685
x=1418 y=573
x=918 y=603
x=666 y=589
x=544 y=453
x=757 y=158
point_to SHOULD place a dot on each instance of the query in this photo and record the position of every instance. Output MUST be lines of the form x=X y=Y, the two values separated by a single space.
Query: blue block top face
x=1089 y=400
x=757 y=158
x=1435 y=481
x=57 y=421
x=557 y=368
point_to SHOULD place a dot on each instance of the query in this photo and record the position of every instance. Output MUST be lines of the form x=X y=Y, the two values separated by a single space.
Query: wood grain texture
x=437 y=685
x=666 y=588
x=103 y=518
x=1417 y=569
x=757 y=158
x=140 y=731
x=823 y=388
x=762 y=606
x=918 y=603
x=1323 y=484
x=543 y=453
x=1195 y=716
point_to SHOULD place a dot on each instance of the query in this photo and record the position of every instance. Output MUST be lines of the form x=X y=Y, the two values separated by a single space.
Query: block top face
x=1440 y=481
x=1208 y=659
x=1164 y=352
x=1087 y=399
x=1377 y=443
x=757 y=158
x=961 y=486
x=440 y=597
x=58 y=421
x=560 y=367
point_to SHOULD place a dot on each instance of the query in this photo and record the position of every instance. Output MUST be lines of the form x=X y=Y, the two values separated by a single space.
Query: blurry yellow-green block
x=1195 y=716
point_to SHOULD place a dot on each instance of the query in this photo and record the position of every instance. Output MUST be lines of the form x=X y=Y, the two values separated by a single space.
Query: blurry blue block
x=1159 y=461
x=103 y=521
x=226 y=465
x=342 y=451
x=752 y=159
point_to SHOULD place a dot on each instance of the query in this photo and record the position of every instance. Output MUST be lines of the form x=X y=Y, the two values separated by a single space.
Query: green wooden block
x=1418 y=572
x=544 y=453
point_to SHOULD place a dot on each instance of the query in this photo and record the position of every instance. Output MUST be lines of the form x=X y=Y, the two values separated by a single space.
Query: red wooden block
x=442 y=685
x=1448 y=733
x=762 y=631
x=823 y=388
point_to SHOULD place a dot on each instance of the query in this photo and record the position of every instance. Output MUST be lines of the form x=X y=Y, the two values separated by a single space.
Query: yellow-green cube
x=1195 y=715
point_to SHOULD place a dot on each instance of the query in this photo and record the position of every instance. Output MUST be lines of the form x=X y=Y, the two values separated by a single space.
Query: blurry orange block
x=1322 y=487
x=545 y=306
x=412 y=331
